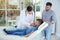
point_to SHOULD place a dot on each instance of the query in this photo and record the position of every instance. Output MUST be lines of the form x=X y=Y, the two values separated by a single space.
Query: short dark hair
x=48 y=4
x=29 y=8
x=40 y=20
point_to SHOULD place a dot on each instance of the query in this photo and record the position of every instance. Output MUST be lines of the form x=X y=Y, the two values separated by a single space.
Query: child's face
x=37 y=23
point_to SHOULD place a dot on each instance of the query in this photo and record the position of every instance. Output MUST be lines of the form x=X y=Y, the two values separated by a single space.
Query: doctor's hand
x=32 y=24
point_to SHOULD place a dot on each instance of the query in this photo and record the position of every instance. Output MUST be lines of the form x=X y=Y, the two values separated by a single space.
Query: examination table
x=37 y=35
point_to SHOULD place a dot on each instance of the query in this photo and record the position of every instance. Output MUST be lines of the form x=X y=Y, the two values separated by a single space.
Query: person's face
x=30 y=12
x=48 y=7
x=37 y=23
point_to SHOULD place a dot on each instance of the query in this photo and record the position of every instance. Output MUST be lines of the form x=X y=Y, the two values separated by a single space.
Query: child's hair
x=40 y=20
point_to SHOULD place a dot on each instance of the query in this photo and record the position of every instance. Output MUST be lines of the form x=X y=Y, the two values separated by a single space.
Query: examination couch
x=37 y=35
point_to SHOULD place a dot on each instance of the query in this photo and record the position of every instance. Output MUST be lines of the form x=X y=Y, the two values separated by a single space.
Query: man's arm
x=53 y=19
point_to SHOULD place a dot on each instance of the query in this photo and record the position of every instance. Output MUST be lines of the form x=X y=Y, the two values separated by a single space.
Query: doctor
x=48 y=16
x=26 y=18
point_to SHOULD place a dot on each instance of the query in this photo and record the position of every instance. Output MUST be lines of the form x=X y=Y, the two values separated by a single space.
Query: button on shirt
x=48 y=16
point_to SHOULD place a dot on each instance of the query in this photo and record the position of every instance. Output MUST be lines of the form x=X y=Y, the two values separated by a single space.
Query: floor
x=55 y=37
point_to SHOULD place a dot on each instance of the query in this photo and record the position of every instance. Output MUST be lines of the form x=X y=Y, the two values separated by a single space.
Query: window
x=10 y=9
x=2 y=13
x=2 y=18
x=37 y=8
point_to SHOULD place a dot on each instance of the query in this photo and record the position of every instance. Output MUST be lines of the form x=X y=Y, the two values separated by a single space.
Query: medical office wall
x=10 y=9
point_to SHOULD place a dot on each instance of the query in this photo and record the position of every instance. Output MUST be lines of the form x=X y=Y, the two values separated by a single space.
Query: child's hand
x=32 y=24
x=26 y=35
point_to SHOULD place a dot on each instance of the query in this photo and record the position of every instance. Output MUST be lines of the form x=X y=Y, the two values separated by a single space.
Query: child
x=25 y=32
x=34 y=28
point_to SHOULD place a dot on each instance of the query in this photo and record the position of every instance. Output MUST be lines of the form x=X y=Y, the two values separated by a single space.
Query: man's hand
x=49 y=22
x=32 y=24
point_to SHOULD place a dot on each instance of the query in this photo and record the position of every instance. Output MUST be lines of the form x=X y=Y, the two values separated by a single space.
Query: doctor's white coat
x=24 y=20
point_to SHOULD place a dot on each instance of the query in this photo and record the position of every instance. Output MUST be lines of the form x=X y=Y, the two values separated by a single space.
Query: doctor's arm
x=28 y=24
x=31 y=23
x=33 y=20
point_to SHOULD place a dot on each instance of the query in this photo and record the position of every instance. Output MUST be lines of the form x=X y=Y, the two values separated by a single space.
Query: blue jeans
x=21 y=32
x=47 y=32
x=17 y=32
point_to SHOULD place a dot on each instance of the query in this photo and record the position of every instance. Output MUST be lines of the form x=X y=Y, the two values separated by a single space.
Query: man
x=48 y=16
x=26 y=18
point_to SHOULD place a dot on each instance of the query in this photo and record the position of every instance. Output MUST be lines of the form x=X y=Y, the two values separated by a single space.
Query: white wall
x=56 y=8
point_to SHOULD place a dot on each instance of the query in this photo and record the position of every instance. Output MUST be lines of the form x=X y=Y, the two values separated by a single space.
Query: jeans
x=16 y=32
x=21 y=32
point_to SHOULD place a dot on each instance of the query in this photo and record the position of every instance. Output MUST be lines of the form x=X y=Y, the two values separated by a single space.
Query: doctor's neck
x=30 y=12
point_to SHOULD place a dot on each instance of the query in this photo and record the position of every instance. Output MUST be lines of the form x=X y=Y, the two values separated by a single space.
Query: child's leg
x=31 y=29
x=28 y=31
x=11 y=31
x=16 y=32
x=20 y=33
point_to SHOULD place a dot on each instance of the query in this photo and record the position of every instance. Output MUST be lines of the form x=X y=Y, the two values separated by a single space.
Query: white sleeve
x=33 y=18
x=28 y=24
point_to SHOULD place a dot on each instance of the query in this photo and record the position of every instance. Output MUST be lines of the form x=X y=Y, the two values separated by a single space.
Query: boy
x=25 y=32
x=34 y=28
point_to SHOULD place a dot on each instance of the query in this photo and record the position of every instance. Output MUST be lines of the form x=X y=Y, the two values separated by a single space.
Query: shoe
x=5 y=30
x=15 y=26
